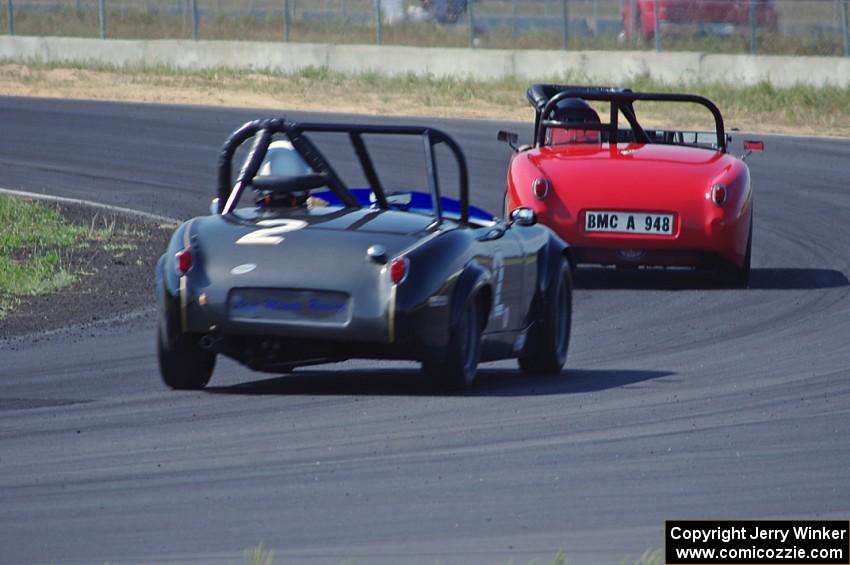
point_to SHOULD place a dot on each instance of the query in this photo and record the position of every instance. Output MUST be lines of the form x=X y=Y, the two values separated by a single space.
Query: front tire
x=459 y=365
x=550 y=338
x=183 y=364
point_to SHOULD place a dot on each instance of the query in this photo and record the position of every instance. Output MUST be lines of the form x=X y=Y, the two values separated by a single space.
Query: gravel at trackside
x=112 y=280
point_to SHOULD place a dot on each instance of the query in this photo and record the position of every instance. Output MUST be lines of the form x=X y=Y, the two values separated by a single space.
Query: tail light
x=719 y=193
x=540 y=187
x=183 y=261
x=398 y=269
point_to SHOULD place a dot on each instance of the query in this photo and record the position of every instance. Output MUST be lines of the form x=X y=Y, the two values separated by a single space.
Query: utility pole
x=286 y=20
x=379 y=32
x=657 y=26
x=753 y=27
x=565 y=13
x=101 y=15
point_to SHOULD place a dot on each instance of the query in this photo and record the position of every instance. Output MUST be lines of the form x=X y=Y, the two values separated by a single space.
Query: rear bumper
x=277 y=354
x=203 y=315
x=643 y=257
x=380 y=327
x=694 y=243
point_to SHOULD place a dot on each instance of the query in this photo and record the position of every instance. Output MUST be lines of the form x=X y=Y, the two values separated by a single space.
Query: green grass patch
x=258 y=555
x=31 y=246
x=37 y=274
x=34 y=245
x=28 y=225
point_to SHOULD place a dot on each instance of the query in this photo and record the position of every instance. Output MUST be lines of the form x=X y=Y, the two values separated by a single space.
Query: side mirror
x=751 y=147
x=523 y=217
x=508 y=137
x=214 y=206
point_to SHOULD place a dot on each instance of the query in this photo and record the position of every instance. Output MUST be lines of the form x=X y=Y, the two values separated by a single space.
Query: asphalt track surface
x=679 y=400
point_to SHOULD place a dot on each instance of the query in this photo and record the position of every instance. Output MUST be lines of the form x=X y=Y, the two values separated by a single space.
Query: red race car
x=632 y=196
x=716 y=17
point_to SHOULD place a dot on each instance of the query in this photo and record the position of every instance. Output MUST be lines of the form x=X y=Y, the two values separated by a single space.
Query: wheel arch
x=555 y=250
x=167 y=287
x=475 y=282
x=484 y=301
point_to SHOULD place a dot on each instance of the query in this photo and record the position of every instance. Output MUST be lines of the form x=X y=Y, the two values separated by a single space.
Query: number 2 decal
x=270 y=234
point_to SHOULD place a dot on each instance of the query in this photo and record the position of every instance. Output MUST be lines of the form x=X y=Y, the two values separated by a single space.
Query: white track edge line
x=93 y=204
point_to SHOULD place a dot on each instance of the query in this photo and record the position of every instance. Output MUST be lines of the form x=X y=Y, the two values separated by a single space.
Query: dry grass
x=801 y=109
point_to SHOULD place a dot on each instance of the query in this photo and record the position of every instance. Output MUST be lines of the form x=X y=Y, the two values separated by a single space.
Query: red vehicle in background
x=630 y=196
x=706 y=16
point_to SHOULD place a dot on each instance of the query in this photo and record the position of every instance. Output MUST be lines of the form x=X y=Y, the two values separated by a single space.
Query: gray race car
x=313 y=271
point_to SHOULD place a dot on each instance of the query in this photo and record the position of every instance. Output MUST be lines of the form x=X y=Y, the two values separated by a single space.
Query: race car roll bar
x=263 y=130
x=545 y=98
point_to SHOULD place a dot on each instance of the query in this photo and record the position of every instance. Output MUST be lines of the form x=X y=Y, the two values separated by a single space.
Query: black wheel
x=549 y=340
x=733 y=275
x=183 y=364
x=457 y=369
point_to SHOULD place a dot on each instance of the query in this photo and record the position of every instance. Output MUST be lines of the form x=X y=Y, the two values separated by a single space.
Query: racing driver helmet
x=282 y=160
x=574 y=110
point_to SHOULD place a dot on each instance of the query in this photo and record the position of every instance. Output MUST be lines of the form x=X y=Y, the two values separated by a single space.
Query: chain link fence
x=785 y=27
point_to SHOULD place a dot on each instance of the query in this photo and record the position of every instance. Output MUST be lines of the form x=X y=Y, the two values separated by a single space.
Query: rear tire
x=457 y=369
x=739 y=277
x=183 y=364
x=550 y=338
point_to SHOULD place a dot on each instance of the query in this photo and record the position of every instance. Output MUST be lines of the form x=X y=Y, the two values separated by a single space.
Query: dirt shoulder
x=113 y=279
x=246 y=90
x=800 y=110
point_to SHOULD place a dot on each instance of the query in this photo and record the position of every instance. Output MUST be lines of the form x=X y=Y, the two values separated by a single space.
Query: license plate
x=284 y=305
x=628 y=222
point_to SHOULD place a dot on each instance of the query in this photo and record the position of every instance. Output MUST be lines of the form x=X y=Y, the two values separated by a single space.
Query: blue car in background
x=445 y=11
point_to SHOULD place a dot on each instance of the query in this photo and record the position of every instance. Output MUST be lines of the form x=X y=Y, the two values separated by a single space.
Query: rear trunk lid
x=305 y=275
x=323 y=251
x=642 y=178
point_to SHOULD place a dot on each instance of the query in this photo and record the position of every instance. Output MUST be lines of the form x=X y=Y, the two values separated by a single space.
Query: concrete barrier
x=614 y=67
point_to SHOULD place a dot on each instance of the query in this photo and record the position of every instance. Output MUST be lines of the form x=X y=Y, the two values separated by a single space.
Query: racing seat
x=574 y=110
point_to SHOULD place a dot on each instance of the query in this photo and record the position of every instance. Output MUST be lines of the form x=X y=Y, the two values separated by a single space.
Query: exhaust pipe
x=210 y=343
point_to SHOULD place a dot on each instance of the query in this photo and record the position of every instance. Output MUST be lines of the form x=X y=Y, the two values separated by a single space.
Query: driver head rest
x=282 y=160
x=574 y=110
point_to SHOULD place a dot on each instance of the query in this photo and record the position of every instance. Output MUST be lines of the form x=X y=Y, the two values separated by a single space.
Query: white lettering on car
x=270 y=235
